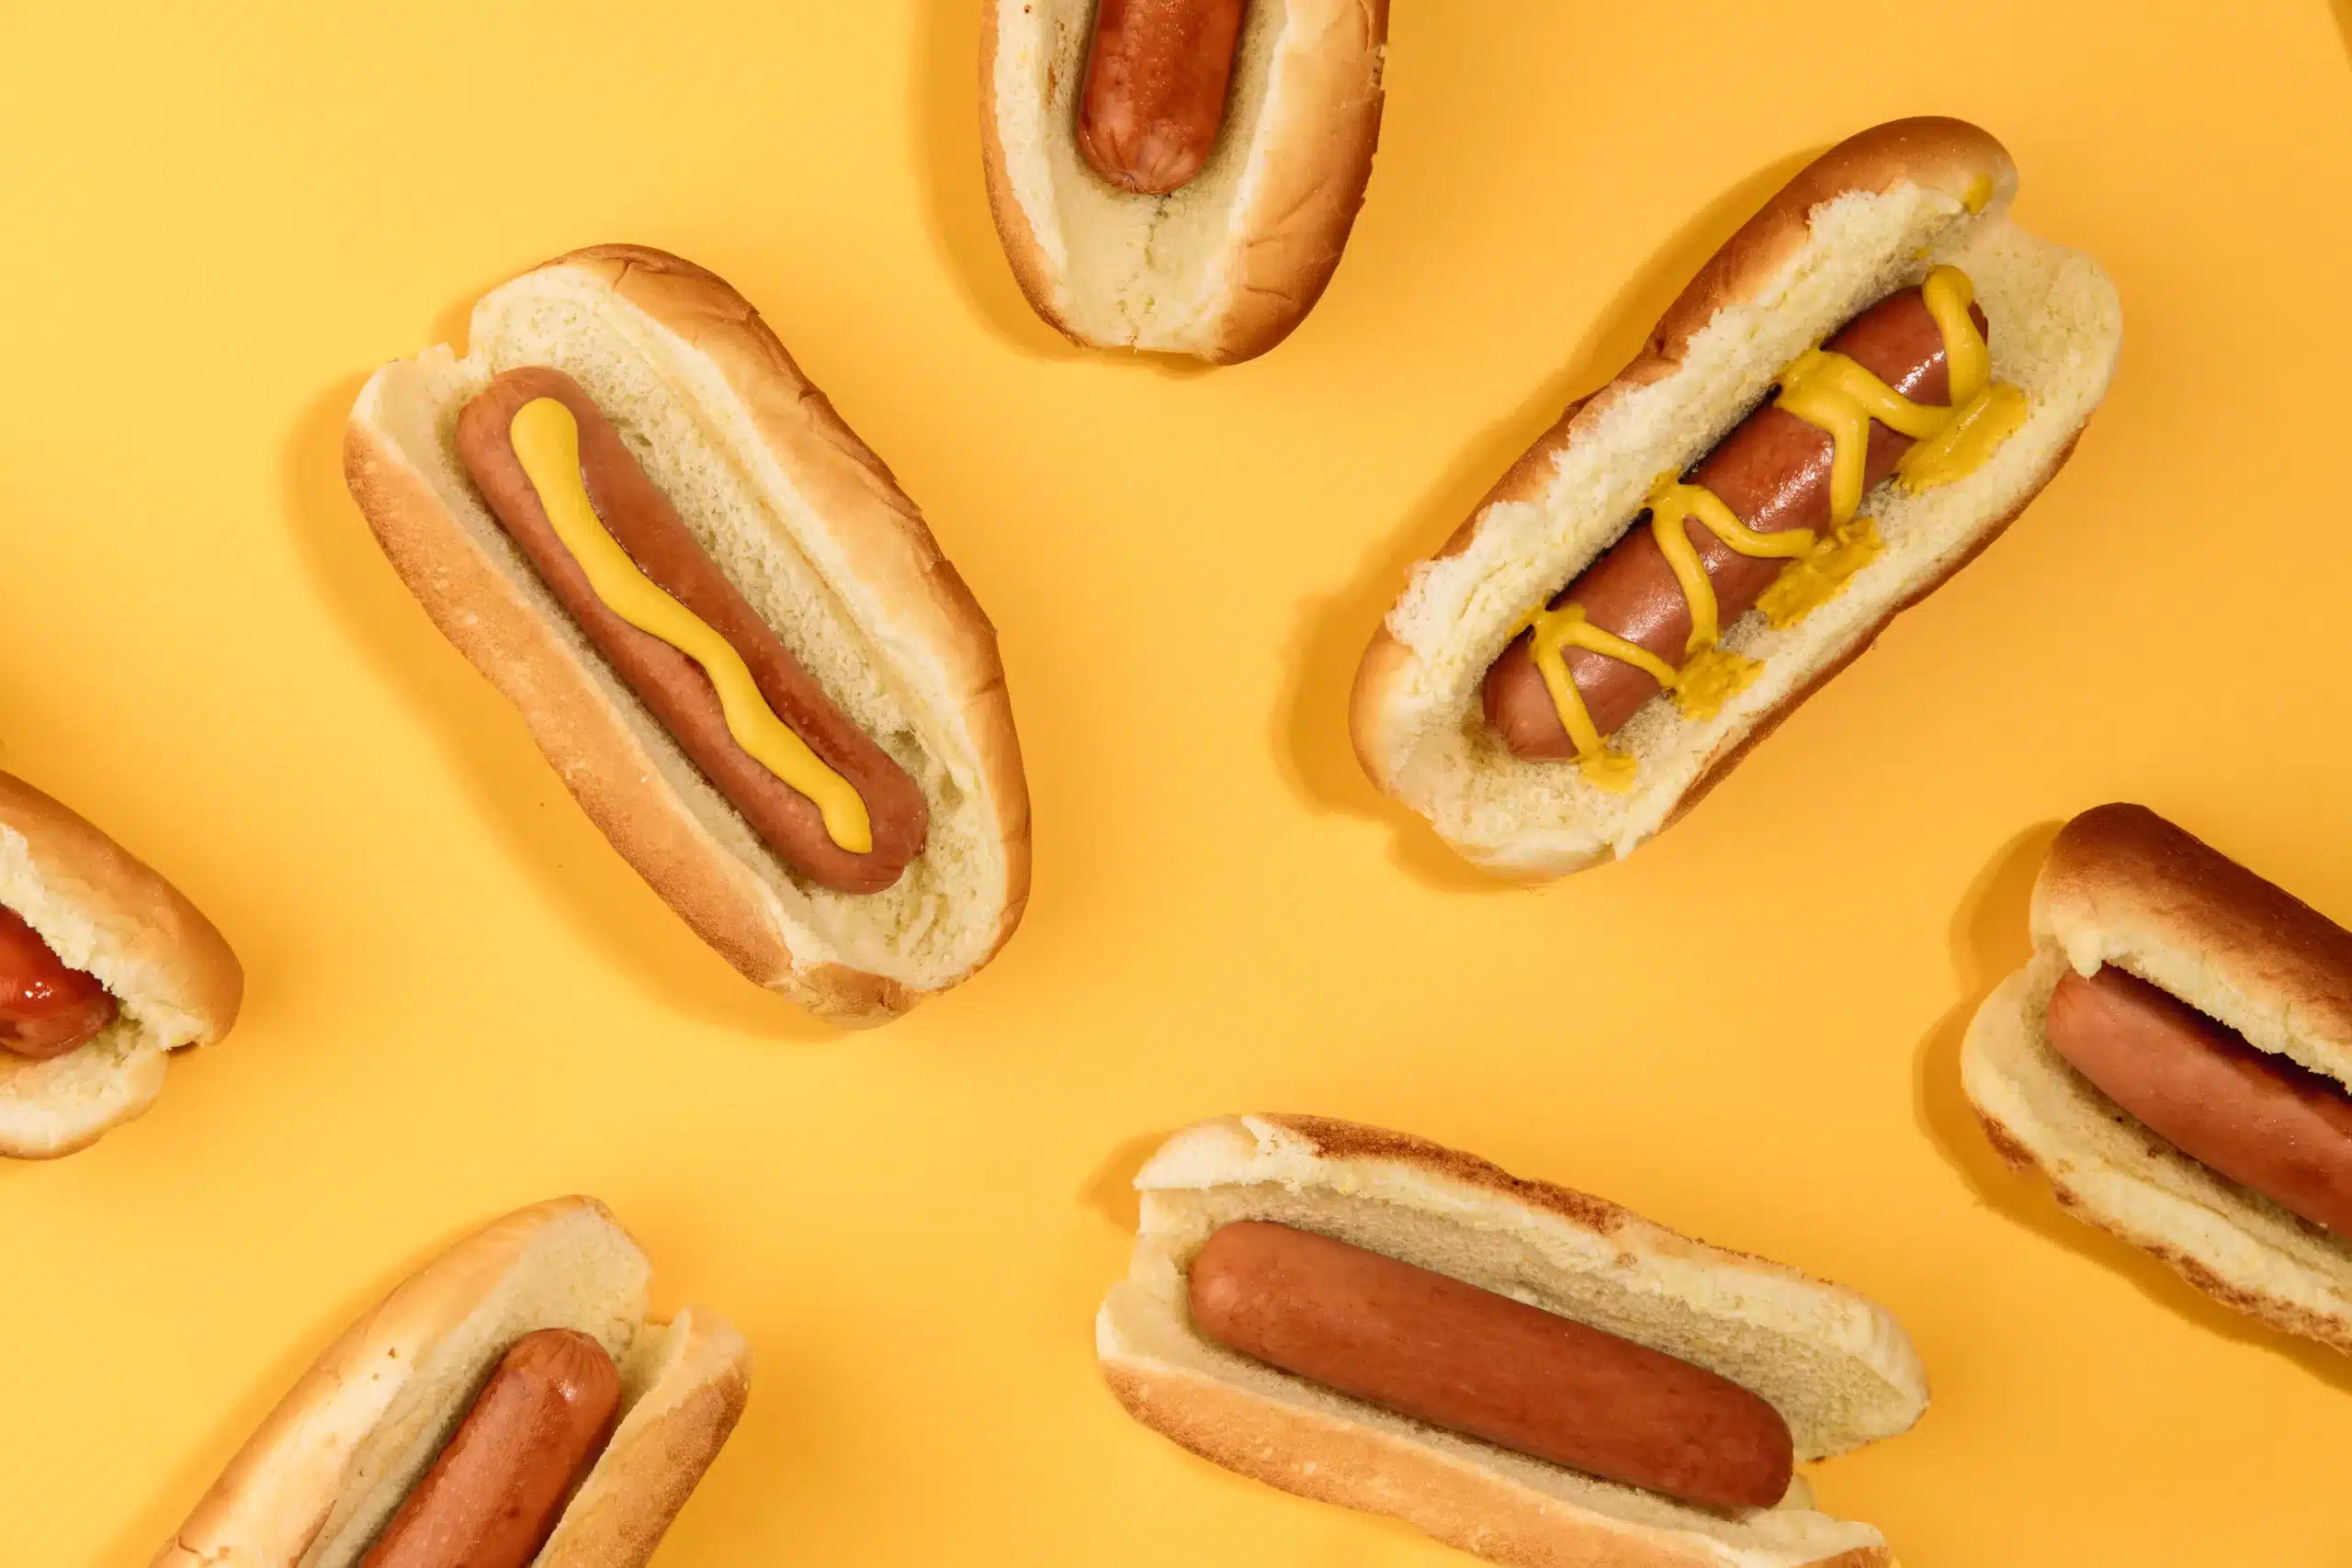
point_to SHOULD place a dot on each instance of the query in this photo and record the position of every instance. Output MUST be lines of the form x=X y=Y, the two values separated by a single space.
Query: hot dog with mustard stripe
x=1854 y=395
x=509 y=1404
x=1530 y=1374
x=730 y=631
x=830 y=802
x=2177 y=1058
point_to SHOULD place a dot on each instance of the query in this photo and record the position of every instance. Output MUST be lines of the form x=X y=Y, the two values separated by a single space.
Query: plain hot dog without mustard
x=45 y=1009
x=1158 y=75
x=2261 y=1120
x=494 y=1495
x=678 y=690
x=1443 y=1351
x=1773 y=472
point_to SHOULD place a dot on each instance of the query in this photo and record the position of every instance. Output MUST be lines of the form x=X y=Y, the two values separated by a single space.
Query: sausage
x=636 y=512
x=2261 y=1120
x=1156 y=77
x=494 y=1495
x=1432 y=1348
x=45 y=1009
x=1772 y=471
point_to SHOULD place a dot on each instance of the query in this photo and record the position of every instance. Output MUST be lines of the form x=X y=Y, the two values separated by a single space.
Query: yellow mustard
x=1835 y=395
x=547 y=440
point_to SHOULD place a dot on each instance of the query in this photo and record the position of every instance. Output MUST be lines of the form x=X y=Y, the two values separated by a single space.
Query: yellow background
x=218 y=219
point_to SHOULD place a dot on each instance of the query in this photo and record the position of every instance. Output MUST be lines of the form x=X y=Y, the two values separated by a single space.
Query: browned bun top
x=104 y=911
x=2123 y=867
x=163 y=943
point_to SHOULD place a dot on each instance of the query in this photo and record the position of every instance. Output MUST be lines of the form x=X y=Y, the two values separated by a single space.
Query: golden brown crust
x=887 y=546
x=660 y=1452
x=285 y=1492
x=1294 y=233
x=1334 y=1139
x=1289 y=238
x=1031 y=269
x=169 y=964
x=2124 y=865
x=1338 y=1140
x=275 y=1495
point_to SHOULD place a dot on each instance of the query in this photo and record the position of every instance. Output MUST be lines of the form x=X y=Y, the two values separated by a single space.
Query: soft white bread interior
x=1871 y=215
x=808 y=524
x=2126 y=888
x=327 y=1469
x=1837 y=1368
x=104 y=911
x=1225 y=268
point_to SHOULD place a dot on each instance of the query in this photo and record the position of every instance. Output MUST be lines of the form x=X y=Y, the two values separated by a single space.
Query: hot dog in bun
x=1178 y=176
x=105 y=970
x=508 y=1406
x=1524 y=1371
x=2176 y=1060
x=1854 y=397
x=729 y=630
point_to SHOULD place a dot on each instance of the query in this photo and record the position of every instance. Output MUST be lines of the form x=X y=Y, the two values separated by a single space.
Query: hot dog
x=1773 y=474
x=730 y=633
x=671 y=682
x=493 y=1497
x=46 y=1008
x=508 y=1405
x=2259 y=1120
x=1178 y=177
x=1157 y=75
x=106 y=969
x=1424 y=1345
x=1529 y=1373
x=1854 y=395
x=2177 y=1058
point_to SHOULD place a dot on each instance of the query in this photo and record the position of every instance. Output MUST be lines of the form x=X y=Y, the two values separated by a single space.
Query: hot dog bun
x=1226 y=266
x=103 y=911
x=1837 y=1367
x=1870 y=215
x=326 y=1468
x=811 y=527
x=2123 y=886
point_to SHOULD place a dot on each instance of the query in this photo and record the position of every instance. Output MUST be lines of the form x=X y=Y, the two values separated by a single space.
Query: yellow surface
x=218 y=218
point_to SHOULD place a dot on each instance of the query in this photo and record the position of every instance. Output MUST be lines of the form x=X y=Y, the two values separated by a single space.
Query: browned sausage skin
x=45 y=1009
x=495 y=1493
x=1158 y=75
x=1441 y=1350
x=1772 y=471
x=2260 y=1120
x=636 y=512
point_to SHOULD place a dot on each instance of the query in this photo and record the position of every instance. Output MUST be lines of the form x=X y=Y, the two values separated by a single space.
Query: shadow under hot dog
x=1990 y=941
x=492 y=753
x=135 y=1544
x=1311 y=739
x=946 y=107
